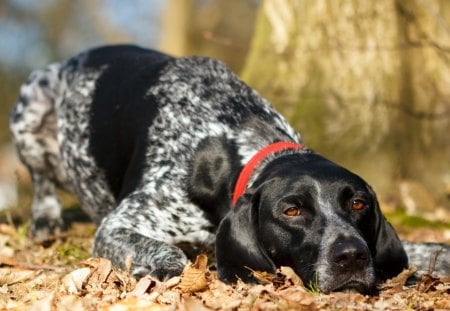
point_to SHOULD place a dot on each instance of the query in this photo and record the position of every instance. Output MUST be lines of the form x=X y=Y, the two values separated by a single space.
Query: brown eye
x=292 y=211
x=358 y=205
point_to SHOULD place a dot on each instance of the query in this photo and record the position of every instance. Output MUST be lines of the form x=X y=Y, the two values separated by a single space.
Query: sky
x=21 y=35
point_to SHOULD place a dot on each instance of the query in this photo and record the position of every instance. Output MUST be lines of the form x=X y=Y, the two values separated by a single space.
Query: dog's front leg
x=148 y=255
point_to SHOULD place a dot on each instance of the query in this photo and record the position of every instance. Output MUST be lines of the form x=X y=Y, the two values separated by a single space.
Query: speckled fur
x=198 y=98
x=57 y=110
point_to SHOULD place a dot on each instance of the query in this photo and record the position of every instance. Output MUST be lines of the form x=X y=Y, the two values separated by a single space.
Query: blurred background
x=367 y=83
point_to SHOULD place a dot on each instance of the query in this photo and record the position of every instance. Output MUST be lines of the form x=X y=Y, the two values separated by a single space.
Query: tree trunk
x=365 y=82
x=220 y=29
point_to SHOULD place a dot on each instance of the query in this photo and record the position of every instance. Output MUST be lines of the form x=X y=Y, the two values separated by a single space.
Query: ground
x=60 y=275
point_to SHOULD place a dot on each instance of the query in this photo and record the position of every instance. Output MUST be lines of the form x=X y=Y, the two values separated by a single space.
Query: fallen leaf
x=428 y=283
x=136 y=304
x=8 y=229
x=102 y=268
x=291 y=275
x=70 y=303
x=142 y=286
x=396 y=283
x=74 y=281
x=222 y=296
x=170 y=297
x=128 y=263
x=193 y=278
x=5 y=249
x=445 y=278
x=297 y=294
x=10 y=276
x=172 y=282
x=201 y=262
x=263 y=276
x=43 y=304
x=191 y=304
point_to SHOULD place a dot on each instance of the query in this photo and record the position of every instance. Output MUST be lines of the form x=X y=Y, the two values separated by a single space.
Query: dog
x=171 y=157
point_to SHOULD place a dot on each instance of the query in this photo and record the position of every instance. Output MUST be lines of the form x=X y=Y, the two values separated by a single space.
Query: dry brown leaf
x=43 y=304
x=5 y=249
x=103 y=271
x=172 y=282
x=101 y=267
x=291 y=275
x=397 y=282
x=263 y=276
x=8 y=229
x=106 y=289
x=128 y=263
x=103 y=275
x=75 y=280
x=221 y=296
x=260 y=290
x=445 y=278
x=297 y=294
x=427 y=283
x=194 y=278
x=70 y=303
x=190 y=303
x=347 y=301
x=443 y=303
x=10 y=276
x=169 y=297
x=280 y=280
x=201 y=262
x=444 y=287
x=142 y=286
x=219 y=300
x=136 y=304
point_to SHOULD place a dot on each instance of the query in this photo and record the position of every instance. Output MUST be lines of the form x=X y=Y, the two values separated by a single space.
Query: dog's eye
x=292 y=211
x=358 y=205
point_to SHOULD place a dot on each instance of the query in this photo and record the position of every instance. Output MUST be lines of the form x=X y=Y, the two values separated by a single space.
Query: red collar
x=249 y=168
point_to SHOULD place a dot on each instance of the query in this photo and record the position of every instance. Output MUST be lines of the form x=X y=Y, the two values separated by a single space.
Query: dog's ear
x=237 y=245
x=390 y=257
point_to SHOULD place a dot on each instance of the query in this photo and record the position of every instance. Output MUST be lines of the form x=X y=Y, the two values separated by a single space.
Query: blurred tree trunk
x=175 y=24
x=220 y=28
x=367 y=83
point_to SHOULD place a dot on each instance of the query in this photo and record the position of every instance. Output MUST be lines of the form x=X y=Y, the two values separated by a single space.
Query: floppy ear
x=390 y=257
x=237 y=245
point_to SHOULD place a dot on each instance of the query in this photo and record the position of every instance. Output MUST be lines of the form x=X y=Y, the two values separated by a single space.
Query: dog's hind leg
x=33 y=125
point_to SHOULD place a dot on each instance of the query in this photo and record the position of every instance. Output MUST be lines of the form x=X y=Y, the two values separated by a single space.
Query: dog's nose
x=350 y=255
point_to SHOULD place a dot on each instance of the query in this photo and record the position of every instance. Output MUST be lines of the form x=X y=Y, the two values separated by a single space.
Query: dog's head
x=308 y=213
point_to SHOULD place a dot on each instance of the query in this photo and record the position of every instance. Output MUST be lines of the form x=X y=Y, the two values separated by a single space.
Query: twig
x=433 y=261
x=12 y=263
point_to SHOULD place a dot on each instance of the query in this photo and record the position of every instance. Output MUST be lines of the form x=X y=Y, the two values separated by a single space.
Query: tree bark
x=365 y=82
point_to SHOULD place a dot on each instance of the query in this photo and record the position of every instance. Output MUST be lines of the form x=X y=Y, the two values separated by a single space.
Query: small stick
x=12 y=263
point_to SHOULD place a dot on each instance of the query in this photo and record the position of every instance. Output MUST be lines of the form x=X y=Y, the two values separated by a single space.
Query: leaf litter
x=33 y=277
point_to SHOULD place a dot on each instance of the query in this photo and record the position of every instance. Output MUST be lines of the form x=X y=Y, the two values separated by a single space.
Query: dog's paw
x=167 y=263
x=43 y=229
x=161 y=273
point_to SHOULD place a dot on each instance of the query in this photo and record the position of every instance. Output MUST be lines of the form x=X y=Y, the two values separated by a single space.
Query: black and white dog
x=171 y=156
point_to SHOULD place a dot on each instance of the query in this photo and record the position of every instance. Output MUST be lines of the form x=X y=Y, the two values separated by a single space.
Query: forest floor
x=60 y=275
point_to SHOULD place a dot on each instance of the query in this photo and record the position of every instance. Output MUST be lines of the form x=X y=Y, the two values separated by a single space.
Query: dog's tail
x=431 y=258
x=33 y=124
x=36 y=101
